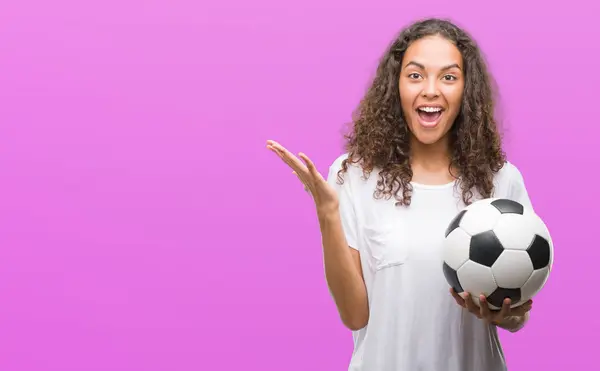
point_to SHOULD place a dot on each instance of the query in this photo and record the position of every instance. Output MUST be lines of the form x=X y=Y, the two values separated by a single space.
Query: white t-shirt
x=414 y=323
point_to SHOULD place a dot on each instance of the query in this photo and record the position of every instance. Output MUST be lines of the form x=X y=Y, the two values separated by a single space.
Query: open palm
x=323 y=193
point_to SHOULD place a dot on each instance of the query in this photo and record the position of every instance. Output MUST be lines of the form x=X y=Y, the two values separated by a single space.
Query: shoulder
x=508 y=171
x=351 y=180
x=353 y=169
x=337 y=162
x=509 y=181
x=509 y=174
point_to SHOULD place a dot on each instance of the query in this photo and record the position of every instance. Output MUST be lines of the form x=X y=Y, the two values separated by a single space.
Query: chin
x=428 y=139
x=429 y=136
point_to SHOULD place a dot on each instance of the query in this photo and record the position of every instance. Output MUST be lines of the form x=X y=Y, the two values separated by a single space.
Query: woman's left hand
x=485 y=313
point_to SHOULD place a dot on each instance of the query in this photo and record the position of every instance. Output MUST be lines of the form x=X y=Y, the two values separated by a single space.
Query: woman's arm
x=343 y=272
x=337 y=221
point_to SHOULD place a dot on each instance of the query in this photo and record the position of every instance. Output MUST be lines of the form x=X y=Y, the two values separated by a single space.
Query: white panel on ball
x=516 y=231
x=479 y=218
x=512 y=269
x=535 y=283
x=456 y=248
x=476 y=279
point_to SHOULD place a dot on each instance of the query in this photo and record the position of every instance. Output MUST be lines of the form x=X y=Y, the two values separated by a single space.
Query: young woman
x=424 y=145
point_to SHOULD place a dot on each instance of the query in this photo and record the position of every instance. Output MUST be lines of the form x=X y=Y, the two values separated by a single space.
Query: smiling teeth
x=430 y=109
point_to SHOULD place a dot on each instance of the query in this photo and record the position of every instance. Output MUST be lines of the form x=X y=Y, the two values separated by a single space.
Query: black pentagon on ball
x=452 y=278
x=485 y=248
x=497 y=297
x=455 y=222
x=506 y=206
x=539 y=252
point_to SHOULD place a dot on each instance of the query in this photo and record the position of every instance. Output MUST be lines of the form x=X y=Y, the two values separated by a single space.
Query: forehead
x=433 y=52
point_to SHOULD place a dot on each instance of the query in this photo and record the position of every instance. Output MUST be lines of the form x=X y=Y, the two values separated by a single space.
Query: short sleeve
x=518 y=191
x=346 y=201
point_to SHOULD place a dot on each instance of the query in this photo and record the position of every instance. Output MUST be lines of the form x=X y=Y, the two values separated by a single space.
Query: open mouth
x=429 y=114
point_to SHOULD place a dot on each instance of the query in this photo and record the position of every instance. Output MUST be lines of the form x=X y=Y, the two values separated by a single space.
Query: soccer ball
x=497 y=248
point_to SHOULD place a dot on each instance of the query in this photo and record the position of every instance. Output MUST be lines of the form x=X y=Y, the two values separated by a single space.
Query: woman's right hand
x=323 y=194
x=343 y=270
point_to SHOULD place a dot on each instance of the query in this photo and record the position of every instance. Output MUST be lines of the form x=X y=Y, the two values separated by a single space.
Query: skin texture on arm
x=343 y=273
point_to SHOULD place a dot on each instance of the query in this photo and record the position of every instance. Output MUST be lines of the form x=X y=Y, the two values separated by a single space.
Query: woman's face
x=431 y=87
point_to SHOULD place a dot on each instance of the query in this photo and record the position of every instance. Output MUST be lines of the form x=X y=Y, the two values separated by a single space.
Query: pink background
x=144 y=226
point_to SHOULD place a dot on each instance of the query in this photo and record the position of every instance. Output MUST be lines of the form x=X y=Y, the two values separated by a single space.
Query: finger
x=281 y=152
x=304 y=170
x=310 y=165
x=294 y=163
x=505 y=310
x=306 y=188
x=484 y=308
x=522 y=309
x=471 y=305
x=304 y=179
x=459 y=300
x=300 y=179
x=280 y=149
x=273 y=143
x=298 y=176
x=291 y=160
x=276 y=150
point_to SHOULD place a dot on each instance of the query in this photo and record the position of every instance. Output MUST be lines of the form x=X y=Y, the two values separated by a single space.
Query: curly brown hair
x=380 y=137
